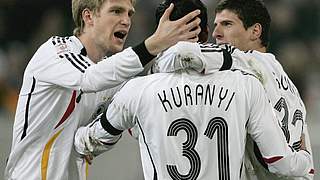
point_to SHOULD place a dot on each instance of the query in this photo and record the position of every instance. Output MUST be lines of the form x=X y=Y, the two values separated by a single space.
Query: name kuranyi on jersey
x=202 y=94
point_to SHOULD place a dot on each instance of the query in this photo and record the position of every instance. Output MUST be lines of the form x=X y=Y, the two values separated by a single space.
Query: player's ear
x=87 y=16
x=256 y=31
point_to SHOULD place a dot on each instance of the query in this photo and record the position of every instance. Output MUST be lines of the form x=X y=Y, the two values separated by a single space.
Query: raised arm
x=76 y=71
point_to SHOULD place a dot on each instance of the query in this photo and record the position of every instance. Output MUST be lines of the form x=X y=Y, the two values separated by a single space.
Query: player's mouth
x=120 y=35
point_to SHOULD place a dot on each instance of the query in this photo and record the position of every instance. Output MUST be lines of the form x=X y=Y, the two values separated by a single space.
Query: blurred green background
x=25 y=25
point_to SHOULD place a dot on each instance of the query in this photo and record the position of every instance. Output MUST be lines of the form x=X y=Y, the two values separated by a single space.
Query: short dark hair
x=182 y=8
x=249 y=12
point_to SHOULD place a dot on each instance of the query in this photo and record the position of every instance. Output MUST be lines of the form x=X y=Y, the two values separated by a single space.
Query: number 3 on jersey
x=216 y=126
x=297 y=116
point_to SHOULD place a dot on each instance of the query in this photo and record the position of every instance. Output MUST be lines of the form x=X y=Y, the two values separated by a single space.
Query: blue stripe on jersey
x=26 y=115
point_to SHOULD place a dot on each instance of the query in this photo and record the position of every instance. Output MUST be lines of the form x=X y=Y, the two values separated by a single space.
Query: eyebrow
x=227 y=21
x=122 y=8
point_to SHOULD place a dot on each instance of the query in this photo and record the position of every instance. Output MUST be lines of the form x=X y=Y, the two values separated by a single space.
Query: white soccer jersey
x=282 y=93
x=59 y=94
x=194 y=126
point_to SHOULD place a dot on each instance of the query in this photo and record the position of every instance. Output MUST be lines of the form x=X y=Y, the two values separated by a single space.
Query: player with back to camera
x=245 y=24
x=68 y=77
x=194 y=126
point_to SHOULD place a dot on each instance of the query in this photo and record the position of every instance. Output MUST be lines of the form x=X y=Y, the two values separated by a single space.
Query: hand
x=88 y=158
x=169 y=32
x=81 y=137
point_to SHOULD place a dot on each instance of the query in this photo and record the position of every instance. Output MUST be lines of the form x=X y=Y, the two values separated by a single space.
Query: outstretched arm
x=263 y=127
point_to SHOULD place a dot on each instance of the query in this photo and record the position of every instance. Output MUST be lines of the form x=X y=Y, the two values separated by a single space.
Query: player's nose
x=217 y=33
x=126 y=20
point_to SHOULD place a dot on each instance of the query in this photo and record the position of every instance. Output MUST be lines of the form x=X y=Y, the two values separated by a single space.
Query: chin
x=116 y=49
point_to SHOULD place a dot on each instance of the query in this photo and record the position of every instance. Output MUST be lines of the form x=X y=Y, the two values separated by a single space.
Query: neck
x=255 y=45
x=94 y=53
x=262 y=49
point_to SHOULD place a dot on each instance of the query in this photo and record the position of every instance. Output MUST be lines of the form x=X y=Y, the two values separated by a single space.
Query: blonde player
x=62 y=81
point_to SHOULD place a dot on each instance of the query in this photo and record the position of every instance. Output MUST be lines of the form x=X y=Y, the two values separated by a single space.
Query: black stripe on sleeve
x=58 y=40
x=83 y=60
x=107 y=126
x=227 y=61
x=211 y=50
x=26 y=115
x=78 y=61
x=144 y=55
x=74 y=64
x=297 y=145
x=54 y=40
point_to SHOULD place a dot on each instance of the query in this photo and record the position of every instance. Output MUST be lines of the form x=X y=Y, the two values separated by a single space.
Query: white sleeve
x=104 y=132
x=265 y=131
x=308 y=148
x=207 y=58
x=121 y=113
x=93 y=139
x=78 y=72
x=180 y=56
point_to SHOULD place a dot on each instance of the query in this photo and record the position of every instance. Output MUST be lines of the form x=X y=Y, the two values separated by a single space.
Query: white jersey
x=282 y=93
x=194 y=126
x=58 y=95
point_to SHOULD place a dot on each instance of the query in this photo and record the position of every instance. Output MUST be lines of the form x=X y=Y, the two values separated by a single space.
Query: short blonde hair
x=78 y=6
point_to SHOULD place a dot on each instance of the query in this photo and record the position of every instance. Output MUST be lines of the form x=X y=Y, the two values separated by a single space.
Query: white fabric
x=277 y=85
x=86 y=145
x=172 y=60
x=175 y=109
x=55 y=74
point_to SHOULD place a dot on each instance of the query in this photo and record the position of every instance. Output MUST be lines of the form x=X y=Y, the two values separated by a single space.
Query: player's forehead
x=227 y=15
x=126 y=4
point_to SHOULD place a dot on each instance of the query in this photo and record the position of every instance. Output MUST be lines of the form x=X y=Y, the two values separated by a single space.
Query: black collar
x=83 y=51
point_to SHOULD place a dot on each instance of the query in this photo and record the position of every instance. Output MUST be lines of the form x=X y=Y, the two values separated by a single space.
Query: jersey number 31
x=217 y=126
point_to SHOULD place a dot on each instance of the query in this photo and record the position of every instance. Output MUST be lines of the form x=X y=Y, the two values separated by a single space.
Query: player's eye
x=215 y=25
x=226 y=23
x=116 y=11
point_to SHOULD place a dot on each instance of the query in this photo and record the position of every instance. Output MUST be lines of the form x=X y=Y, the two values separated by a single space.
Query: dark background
x=25 y=25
